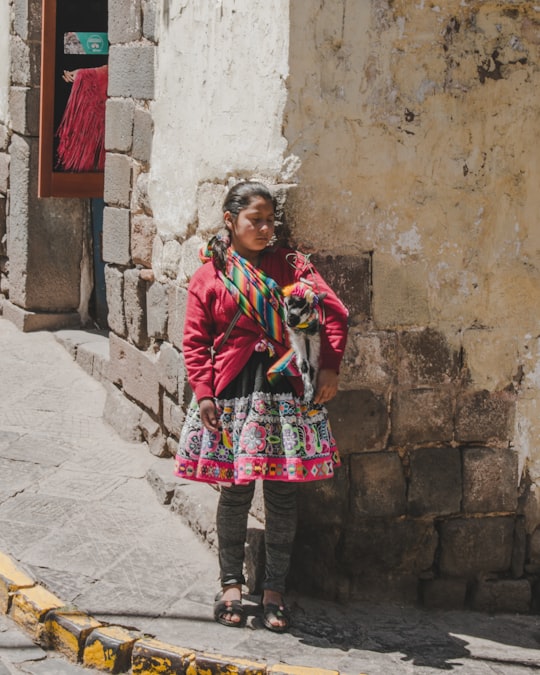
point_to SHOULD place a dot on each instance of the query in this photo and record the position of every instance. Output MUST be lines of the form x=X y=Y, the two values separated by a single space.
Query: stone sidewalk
x=82 y=517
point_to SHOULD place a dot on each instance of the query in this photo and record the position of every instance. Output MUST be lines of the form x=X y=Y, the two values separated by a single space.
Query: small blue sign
x=86 y=43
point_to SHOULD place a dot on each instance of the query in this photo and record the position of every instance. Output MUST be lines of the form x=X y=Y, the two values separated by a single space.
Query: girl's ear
x=227 y=217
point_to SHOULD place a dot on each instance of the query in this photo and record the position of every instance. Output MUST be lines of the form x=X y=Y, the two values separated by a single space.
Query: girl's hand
x=327 y=386
x=207 y=409
x=69 y=75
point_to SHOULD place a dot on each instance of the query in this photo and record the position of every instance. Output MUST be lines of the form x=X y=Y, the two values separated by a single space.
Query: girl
x=244 y=424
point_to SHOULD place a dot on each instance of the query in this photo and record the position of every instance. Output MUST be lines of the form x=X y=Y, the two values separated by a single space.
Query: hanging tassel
x=82 y=129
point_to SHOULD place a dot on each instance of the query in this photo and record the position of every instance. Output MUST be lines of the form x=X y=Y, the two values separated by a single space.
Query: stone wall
x=144 y=368
x=398 y=135
x=41 y=286
x=162 y=199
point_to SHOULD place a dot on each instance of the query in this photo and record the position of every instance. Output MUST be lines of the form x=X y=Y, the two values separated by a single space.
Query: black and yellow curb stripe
x=112 y=649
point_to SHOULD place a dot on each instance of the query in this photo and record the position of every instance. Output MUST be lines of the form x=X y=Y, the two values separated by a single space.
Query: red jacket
x=211 y=308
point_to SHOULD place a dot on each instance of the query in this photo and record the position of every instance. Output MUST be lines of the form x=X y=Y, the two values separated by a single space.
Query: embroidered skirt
x=266 y=432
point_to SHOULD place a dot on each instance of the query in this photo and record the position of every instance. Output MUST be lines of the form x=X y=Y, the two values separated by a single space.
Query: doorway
x=74 y=41
x=98 y=309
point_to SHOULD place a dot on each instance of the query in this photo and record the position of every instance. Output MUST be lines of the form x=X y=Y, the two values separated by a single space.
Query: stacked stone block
x=146 y=390
x=430 y=477
x=425 y=504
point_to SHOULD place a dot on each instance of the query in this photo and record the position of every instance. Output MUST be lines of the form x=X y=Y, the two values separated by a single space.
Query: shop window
x=74 y=73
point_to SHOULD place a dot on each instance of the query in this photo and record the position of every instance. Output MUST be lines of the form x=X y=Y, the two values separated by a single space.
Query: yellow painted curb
x=153 y=657
x=109 y=648
x=114 y=649
x=11 y=579
x=67 y=631
x=214 y=664
x=28 y=609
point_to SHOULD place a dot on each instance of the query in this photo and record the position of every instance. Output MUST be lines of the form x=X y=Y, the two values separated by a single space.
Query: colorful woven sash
x=257 y=295
x=260 y=298
x=285 y=365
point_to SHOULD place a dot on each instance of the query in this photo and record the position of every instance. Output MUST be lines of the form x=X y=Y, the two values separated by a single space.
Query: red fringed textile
x=82 y=129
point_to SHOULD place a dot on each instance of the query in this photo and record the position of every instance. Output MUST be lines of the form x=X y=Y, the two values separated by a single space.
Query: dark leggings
x=280 y=528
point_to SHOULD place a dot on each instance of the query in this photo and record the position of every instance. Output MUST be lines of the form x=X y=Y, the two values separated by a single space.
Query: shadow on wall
x=425 y=505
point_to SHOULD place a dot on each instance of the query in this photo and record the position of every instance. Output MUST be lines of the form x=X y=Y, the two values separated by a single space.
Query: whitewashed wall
x=220 y=93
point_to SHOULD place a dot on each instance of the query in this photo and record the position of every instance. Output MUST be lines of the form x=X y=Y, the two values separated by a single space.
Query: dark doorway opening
x=98 y=309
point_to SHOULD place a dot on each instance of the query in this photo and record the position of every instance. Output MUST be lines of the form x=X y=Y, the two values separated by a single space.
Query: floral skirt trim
x=262 y=436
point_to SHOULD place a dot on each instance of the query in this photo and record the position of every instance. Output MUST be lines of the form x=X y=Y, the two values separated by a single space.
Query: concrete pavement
x=19 y=654
x=97 y=566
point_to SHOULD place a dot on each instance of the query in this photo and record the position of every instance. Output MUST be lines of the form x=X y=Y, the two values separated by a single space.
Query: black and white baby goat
x=303 y=324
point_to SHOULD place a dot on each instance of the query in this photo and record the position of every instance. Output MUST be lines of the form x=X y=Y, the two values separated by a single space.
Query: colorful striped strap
x=257 y=295
x=285 y=365
x=260 y=298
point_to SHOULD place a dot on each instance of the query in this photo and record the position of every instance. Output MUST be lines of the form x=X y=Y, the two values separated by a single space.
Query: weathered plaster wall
x=5 y=59
x=220 y=92
x=431 y=110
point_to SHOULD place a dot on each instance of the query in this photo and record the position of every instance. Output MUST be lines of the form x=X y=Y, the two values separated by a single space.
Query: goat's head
x=300 y=302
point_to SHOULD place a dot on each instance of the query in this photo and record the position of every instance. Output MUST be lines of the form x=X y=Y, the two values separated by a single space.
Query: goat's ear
x=322 y=296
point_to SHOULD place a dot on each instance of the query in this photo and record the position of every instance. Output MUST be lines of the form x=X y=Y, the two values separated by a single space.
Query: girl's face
x=253 y=228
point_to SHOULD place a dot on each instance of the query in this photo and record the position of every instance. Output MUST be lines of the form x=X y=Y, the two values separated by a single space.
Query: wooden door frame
x=53 y=183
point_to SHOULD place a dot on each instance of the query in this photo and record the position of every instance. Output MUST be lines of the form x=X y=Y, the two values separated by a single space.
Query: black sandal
x=223 y=607
x=273 y=612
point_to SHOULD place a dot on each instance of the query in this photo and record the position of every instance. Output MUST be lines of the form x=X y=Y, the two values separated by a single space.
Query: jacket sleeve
x=199 y=331
x=334 y=315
